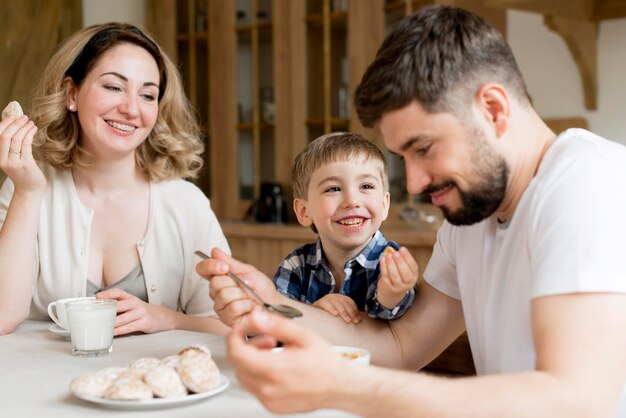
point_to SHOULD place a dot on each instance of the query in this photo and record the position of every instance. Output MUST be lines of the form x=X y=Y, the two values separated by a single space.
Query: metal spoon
x=285 y=310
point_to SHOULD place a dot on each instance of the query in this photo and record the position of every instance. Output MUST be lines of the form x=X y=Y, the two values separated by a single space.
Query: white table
x=36 y=367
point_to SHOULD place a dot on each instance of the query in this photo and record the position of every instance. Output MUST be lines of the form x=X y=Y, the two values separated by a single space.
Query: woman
x=98 y=204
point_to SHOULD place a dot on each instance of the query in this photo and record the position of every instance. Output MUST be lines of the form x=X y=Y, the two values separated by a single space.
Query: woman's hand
x=16 y=156
x=135 y=315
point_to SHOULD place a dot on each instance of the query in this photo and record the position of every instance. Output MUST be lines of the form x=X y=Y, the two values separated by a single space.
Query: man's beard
x=484 y=198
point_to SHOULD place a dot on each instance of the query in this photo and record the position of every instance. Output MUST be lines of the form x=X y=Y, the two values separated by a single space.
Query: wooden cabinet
x=268 y=76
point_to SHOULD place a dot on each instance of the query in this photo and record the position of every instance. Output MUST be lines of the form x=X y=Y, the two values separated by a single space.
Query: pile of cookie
x=191 y=370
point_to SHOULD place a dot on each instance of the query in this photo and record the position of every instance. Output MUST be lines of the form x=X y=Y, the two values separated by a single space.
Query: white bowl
x=358 y=355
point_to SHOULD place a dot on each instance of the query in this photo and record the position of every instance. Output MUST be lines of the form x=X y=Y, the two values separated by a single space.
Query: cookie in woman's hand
x=13 y=108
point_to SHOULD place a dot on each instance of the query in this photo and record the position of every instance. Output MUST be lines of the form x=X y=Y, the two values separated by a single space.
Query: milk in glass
x=91 y=326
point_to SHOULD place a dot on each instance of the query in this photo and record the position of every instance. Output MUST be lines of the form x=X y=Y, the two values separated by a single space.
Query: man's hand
x=304 y=376
x=341 y=306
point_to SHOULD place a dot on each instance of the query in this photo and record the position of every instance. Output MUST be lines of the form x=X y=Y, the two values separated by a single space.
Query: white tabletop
x=37 y=366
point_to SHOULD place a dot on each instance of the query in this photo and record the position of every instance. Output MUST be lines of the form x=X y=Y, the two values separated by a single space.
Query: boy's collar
x=377 y=239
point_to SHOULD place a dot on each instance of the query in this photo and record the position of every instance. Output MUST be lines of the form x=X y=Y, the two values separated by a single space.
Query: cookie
x=112 y=373
x=199 y=347
x=198 y=371
x=13 y=108
x=89 y=385
x=389 y=250
x=134 y=373
x=171 y=361
x=128 y=389
x=145 y=363
x=165 y=382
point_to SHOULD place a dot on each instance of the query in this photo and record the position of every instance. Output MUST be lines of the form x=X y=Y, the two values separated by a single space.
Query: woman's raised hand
x=16 y=156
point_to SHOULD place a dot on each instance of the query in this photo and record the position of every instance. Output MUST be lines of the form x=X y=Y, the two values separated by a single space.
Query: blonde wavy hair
x=174 y=147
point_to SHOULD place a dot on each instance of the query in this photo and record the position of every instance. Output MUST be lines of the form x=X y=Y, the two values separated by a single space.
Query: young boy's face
x=346 y=202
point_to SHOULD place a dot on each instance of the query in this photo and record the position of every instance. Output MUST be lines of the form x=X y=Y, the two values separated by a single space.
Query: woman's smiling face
x=117 y=102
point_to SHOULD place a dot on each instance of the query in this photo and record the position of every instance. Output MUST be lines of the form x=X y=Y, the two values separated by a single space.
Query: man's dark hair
x=438 y=56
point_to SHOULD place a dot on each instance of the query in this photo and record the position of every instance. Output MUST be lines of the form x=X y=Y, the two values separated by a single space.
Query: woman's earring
x=72 y=107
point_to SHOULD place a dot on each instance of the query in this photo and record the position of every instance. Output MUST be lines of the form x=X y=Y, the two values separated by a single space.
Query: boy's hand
x=339 y=305
x=398 y=274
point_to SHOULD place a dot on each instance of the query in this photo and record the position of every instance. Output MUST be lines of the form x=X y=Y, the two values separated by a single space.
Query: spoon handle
x=237 y=280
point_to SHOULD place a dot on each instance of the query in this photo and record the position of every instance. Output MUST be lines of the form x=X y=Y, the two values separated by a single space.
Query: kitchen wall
x=98 y=11
x=553 y=79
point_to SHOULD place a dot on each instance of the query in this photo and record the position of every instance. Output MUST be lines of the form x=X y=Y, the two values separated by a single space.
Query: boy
x=340 y=190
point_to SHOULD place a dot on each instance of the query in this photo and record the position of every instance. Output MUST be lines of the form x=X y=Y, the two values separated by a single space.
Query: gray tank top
x=134 y=283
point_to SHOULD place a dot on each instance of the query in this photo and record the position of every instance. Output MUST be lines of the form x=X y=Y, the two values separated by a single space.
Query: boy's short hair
x=329 y=148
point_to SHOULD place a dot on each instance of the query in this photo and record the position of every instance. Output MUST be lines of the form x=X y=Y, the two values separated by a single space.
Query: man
x=530 y=261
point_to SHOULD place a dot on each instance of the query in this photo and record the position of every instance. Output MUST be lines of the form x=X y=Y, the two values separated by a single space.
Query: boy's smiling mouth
x=352 y=222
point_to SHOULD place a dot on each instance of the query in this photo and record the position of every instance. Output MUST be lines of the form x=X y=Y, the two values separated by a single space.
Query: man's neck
x=530 y=152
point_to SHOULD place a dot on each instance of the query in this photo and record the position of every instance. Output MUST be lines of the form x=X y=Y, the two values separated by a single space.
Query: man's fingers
x=286 y=330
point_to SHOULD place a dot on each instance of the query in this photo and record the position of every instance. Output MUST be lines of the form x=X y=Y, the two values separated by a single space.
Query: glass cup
x=91 y=325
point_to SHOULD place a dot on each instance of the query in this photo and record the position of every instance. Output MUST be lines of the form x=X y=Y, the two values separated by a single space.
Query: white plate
x=62 y=332
x=158 y=403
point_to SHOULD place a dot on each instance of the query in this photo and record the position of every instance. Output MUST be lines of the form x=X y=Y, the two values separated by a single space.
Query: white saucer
x=62 y=332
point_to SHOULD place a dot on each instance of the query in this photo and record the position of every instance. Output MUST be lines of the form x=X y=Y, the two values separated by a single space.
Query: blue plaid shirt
x=304 y=276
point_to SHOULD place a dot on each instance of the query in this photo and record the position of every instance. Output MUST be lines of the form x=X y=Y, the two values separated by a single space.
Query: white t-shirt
x=567 y=236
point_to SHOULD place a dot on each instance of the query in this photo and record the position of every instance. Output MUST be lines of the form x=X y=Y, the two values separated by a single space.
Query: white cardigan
x=180 y=222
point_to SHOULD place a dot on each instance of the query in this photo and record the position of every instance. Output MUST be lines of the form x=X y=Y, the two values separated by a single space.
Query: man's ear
x=70 y=93
x=302 y=213
x=493 y=102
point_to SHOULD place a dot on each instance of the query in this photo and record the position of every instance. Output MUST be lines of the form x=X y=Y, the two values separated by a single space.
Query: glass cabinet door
x=327 y=66
x=192 y=48
x=255 y=96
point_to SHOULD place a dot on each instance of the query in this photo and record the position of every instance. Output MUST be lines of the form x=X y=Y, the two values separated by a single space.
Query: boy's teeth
x=125 y=128
x=351 y=221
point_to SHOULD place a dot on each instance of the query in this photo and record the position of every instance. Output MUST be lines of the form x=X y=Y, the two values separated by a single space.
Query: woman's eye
x=113 y=88
x=148 y=97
